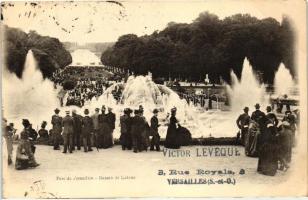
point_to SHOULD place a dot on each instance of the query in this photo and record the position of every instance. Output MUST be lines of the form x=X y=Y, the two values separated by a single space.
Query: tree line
x=49 y=52
x=208 y=45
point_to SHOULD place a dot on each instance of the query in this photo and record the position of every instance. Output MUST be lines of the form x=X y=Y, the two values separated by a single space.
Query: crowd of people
x=269 y=139
x=202 y=100
x=79 y=88
x=96 y=131
x=85 y=90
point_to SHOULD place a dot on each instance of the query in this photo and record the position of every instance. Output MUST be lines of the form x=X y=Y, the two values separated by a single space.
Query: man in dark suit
x=154 y=126
x=258 y=116
x=68 y=131
x=111 y=118
x=87 y=131
x=77 y=130
x=242 y=123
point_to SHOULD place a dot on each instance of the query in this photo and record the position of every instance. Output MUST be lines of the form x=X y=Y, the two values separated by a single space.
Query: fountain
x=34 y=98
x=283 y=82
x=30 y=97
x=247 y=91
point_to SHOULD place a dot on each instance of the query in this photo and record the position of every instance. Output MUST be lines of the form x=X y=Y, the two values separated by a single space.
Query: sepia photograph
x=111 y=99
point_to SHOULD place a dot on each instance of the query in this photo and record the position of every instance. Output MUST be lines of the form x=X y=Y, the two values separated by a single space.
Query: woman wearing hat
x=56 y=121
x=171 y=137
x=24 y=155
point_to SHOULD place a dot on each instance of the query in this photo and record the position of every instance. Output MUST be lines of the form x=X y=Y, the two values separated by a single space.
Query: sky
x=84 y=22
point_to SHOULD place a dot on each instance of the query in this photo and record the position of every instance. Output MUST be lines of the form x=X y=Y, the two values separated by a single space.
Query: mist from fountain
x=36 y=98
x=283 y=82
x=30 y=97
x=247 y=91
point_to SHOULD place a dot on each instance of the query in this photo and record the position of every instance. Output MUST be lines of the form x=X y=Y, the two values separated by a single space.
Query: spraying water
x=34 y=98
x=247 y=91
x=30 y=97
x=283 y=82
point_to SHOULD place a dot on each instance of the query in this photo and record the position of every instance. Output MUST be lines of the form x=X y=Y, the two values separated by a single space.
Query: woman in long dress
x=24 y=155
x=172 y=136
x=268 y=153
x=285 y=145
x=251 y=139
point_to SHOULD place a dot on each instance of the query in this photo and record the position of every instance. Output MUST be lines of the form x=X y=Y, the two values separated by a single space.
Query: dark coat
x=268 y=153
x=154 y=123
x=111 y=118
x=43 y=133
x=77 y=123
x=138 y=125
x=56 y=122
x=68 y=125
x=172 y=136
x=243 y=121
x=271 y=116
x=87 y=126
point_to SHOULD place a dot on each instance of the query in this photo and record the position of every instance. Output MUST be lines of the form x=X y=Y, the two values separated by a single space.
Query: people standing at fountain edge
x=242 y=123
x=251 y=143
x=171 y=141
x=77 y=130
x=111 y=118
x=290 y=118
x=271 y=116
x=68 y=131
x=95 y=120
x=138 y=128
x=145 y=138
x=259 y=117
x=105 y=130
x=56 y=122
x=268 y=153
x=155 y=135
x=125 y=124
x=87 y=130
x=257 y=114
x=285 y=145
x=24 y=155
x=8 y=133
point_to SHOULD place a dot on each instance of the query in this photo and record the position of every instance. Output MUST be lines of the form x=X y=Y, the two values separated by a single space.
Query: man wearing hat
x=242 y=123
x=136 y=131
x=56 y=122
x=95 y=127
x=125 y=123
x=258 y=115
x=111 y=118
x=77 y=129
x=68 y=131
x=103 y=129
x=87 y=130
x=154 y=129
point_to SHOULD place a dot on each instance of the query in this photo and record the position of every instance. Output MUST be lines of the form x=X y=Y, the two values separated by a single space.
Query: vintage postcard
x=110 y=99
